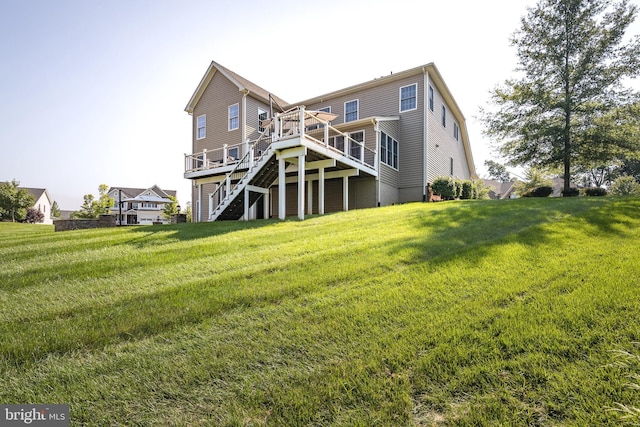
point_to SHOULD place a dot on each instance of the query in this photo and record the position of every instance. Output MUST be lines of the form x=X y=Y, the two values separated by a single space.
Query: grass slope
x=465 y=313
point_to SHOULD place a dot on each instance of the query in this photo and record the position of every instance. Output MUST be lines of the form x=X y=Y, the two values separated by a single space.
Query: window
x=234 y=117
x=430 y=98
x=456 y=131
x=355 y=143
x=388 y=150
x=351 y=111
x=451 y=166
x=233 y=153
x=319 y=125
x=408 y=97
x=262 y=116
x=444 y=116
x=337 y=142
x=201 y=126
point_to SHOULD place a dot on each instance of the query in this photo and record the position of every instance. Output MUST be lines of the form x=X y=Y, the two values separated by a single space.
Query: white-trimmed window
x=201 y=126
x=388 y=150
x=456 y=131
x=451 y=165
x=444 y=116
x=356 y=142
x=234 y=117
x=408 y=97
x=430 y=98
x=262 y=116
x=351 y=110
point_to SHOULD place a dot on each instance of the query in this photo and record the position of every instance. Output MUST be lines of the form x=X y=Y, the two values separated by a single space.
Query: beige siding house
x=373 y=144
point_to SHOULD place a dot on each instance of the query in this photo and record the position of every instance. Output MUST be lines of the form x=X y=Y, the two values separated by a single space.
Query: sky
x=94 y=92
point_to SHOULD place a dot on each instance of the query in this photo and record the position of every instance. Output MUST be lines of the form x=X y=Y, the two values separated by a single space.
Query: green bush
x=572 y=192
x=544 y=191
x=595 y=191
x=625 y=186
x=466 y=190
x=446 y=187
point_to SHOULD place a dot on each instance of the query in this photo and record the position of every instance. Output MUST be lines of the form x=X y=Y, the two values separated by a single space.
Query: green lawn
x=455 y=313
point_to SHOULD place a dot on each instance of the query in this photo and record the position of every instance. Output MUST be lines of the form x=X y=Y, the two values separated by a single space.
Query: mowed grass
x=456 y=313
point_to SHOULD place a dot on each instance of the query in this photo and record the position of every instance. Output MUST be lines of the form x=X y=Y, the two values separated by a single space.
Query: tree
x=171 y=208
x=14 y=201
x=92 y=207
x=565 y=108
x=187 y=211
x=55 y=210
x=497 y=171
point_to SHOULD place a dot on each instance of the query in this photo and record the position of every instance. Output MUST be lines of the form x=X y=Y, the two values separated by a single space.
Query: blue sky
x=94 y=92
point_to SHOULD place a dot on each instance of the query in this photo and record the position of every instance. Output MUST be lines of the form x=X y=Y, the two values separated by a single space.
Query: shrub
x=446 y=187
x=625 y=186
x=595 y=191
x=572 y=192
x=544 y=191
x=480 y=191
x=466 y=190
x=34 y=216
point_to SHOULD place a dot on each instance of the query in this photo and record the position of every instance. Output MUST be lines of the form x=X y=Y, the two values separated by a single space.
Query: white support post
x=265 y=201
x=276 y=127
x=301 y=170
x=362 y=153
x=245 y=217
x=247 y=148
x=199 y=216
x=204 y=159
x=310 y=197
x=321 y=191
x=345 y=193
x=227 y=183
x=225 y=154
x=282 y=190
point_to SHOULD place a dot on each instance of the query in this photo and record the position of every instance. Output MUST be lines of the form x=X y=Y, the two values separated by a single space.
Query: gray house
x=373 y=144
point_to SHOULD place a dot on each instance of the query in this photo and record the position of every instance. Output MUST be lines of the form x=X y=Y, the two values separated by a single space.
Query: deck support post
x=301 y=170
x=345 y=193
x=245 y=217
x=310 y=197
x=265 y=201
x=321 y=191
x=282 y=189
x=199 y=213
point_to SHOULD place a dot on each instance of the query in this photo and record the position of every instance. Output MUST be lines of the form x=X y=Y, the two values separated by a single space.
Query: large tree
x=563 y=109
x=14 y=201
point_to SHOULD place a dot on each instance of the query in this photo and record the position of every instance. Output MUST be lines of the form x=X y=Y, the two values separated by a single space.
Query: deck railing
x=292 y=123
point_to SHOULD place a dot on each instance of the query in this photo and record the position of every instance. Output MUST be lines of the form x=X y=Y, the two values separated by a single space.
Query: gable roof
x=36 y=192
x=243 y=84
x=133 y=192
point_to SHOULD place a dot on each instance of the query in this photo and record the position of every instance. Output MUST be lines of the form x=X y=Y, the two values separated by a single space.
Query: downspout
x=425 y=125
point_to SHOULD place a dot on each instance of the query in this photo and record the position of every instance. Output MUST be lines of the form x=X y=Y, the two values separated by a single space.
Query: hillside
x=456 y=313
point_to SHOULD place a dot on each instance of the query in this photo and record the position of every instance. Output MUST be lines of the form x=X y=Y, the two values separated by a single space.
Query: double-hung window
x=201 y=127
x=456 y=131
x=234 y=117
x=444 y=116
x=356 y=141
x=351 y=111
x=408 y=97
x=388 y=150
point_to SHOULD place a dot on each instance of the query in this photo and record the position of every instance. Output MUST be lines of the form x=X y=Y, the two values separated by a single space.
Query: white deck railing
x=293 y=123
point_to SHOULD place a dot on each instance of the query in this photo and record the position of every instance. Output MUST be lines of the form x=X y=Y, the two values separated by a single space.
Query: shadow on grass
x=474 y=228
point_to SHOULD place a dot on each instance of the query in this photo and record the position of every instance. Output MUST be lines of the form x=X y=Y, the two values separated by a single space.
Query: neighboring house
x=500 y=190
x=557 y=183
x=373 y=144
x=140 y=205
x=42 y=202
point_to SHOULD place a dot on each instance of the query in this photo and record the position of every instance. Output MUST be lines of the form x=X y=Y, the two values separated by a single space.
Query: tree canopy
x=14 y=201
x=568 y=108
x=92 y=207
